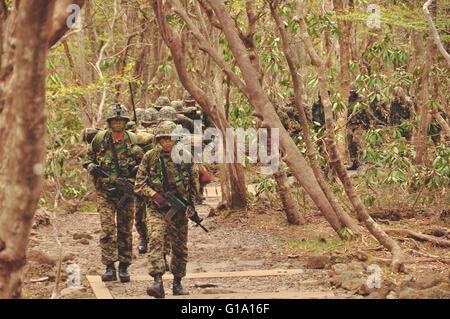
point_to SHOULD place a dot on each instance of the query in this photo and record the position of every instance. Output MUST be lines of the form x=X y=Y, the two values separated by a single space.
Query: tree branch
x=59 y=21
x=436 y=37
x=99 y=71
x=206 y=46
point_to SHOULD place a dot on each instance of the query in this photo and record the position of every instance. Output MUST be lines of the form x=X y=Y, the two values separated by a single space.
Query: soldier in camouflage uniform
x=378 y=107
x=318 y=115
x=149 y=122
x=358 y=123
x=140 y=214
x=400 y=112
x=290 y=119
x=194 y=112
x=182 y=119
x=149 y=119
x=131 y=125
x=151 y=181
x=318 y=125
x=161 y=102
x=115 y=153
x=169 y=113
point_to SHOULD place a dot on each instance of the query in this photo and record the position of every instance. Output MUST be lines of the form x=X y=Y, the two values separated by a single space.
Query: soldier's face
x=118 y=125
x=166 y=143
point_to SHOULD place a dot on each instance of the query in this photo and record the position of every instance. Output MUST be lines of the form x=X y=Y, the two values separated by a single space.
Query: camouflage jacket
x=100 y=153
x=358 y=115
x=399 y=111
x=185 y=122
x=318 y=114
x=379 y=110
x=182 y=178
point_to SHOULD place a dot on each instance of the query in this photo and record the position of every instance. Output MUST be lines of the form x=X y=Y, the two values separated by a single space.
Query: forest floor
x=307 y=261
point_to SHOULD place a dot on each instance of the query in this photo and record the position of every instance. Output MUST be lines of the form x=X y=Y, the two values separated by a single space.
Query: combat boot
x=142 y=247
x=156 y=289
x=124 y=276
x=110 y=274
x=178 y=289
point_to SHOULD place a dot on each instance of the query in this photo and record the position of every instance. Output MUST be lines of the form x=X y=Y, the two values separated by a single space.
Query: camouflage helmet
x=399 y=94
x=117 y=111
x=353 y=87
x=140 y=113
x=150 y=116
x=188 y=97
x=165 y=129
x=178 y=106
x=162 y=101
x=168 y=113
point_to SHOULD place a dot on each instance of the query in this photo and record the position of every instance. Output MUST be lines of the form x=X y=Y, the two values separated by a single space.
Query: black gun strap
x=116 y=161
x=165 y=180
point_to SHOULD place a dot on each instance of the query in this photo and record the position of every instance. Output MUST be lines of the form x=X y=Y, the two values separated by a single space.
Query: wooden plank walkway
x=102 y=292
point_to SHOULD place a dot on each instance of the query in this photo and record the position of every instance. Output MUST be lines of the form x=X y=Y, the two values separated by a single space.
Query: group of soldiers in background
x=363 y=113
x=117 y=152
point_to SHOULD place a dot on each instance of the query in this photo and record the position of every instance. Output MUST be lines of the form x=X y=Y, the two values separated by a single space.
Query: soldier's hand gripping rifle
x=126 y=188
x=122 y=186
x=178 y=205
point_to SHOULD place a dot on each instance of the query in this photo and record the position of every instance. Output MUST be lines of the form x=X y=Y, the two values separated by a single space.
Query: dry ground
x=257 y=239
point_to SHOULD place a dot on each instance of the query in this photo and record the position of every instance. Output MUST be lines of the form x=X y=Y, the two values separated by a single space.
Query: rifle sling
x=116 y=161
x=172 y=211
x=165 y=180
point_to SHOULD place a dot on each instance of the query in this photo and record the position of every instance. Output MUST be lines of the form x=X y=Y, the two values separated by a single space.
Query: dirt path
x=238 y=258
x=237 y=254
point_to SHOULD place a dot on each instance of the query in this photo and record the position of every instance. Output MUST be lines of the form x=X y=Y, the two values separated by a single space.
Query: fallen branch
x=409 y=233
x=444 y=259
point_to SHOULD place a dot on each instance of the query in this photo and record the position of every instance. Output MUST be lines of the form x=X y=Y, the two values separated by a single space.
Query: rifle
x=121 y=186
x=179 y=205
x=132 y=103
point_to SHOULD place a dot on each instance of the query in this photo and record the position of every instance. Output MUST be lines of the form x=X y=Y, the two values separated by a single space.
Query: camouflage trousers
x=140 y=220
x=177 y=231
x=355 y=142
x=116 y=237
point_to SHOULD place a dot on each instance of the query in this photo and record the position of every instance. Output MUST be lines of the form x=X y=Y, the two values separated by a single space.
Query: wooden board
x=99 y=288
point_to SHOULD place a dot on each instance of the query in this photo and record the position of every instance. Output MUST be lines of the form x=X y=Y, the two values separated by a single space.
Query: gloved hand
x=160 y=201
x=190 y=211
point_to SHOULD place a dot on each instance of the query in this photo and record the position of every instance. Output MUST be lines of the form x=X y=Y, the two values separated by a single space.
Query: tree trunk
x=341 y=214
x=344 y=75
x=22 y=134
x=266 y=112
x=289 y=204
x=422 y=138
x=236 y=172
